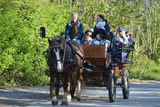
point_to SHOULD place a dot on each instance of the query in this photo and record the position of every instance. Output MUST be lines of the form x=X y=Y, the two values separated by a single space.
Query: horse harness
x=74 y=51
x=72 y=59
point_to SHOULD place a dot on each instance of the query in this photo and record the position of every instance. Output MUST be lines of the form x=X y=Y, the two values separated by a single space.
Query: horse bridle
x=64 y=51
x=63 y=59
x=55 y=48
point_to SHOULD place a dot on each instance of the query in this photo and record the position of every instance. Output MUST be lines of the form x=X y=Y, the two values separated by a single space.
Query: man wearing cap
x=122 y=34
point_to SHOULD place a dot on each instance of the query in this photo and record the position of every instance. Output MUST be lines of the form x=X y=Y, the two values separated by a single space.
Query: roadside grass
x=144 y=68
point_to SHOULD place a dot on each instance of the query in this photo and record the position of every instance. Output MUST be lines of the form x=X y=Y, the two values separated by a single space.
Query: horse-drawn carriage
x=106 y=72
x=66 y=58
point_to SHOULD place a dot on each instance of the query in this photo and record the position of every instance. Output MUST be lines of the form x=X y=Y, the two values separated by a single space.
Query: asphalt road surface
x=142 y=94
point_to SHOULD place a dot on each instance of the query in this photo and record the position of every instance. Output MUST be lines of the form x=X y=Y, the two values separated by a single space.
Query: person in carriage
x=116 y=53
x=74 y=29
x=130 y=39
x=123 y=41
x=122 y=33
x=101 y=32
x=131 y=43
x=102 y=24
x=87 y=39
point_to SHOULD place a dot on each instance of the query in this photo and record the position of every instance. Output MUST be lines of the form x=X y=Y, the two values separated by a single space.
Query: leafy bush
x=21 y=47
x=22 y=61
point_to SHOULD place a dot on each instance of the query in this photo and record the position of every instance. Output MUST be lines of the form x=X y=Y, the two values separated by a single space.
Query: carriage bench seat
x=94 y=51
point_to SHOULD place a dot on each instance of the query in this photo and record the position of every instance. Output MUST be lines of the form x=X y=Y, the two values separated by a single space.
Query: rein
x=74 y=51
x=82 y=58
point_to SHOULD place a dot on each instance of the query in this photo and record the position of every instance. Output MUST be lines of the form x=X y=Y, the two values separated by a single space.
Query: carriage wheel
x=72 y=90
x=125 y=84
x=111 y=87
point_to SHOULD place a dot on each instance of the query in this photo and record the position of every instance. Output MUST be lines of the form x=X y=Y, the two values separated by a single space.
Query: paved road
x=142 y=94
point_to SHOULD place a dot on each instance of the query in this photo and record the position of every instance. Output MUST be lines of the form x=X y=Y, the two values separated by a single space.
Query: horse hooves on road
x=79 y=99
x=64 y=103
x=54 y=103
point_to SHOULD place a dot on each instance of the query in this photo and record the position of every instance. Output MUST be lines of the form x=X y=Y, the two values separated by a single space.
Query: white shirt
x=101 y=25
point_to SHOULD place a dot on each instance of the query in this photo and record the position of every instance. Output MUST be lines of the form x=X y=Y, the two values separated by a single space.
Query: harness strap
x=63 y=61
x=75 y=52
x=72 y=49
x=85 y=60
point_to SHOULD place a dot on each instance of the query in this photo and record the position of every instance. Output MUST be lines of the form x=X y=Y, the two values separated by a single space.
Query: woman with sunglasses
x=87 y=35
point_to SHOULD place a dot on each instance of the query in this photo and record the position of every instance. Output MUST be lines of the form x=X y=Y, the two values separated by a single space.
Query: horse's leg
x=53 y=90
x=79 y=85
x=57 y=85
x=67 y=96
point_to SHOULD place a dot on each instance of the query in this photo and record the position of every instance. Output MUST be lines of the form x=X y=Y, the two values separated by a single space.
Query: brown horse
x=65 y=66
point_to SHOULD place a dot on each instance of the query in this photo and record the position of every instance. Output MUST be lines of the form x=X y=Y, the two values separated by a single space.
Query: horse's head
x=57 y=49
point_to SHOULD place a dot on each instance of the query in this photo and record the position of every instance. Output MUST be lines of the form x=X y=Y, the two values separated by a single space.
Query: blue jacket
x=101 y=42
x=69 y=31
x=116 y=53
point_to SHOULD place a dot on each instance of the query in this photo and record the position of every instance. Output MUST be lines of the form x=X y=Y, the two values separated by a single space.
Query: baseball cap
x=121 y=29
x=116 y=39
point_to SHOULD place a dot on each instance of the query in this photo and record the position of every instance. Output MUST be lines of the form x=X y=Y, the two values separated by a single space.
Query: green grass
x=144 y=68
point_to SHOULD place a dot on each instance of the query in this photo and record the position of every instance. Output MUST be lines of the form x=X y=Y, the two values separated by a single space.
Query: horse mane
x=77 y=45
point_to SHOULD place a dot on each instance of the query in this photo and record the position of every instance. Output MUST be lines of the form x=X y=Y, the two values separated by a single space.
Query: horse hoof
x=54 y=103
x=64 y=103
x=79 y=99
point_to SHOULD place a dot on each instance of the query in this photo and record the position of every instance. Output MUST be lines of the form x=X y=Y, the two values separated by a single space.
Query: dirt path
x=142 y=94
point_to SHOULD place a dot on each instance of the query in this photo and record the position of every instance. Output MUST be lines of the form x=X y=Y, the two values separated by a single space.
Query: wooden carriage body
x=102 y=60
x=106 y=73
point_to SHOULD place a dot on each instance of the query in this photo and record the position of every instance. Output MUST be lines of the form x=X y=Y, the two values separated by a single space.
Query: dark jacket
x=69 y=31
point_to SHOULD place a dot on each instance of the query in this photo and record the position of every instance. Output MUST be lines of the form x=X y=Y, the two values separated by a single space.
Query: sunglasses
x=88 y=34
x=88 y=41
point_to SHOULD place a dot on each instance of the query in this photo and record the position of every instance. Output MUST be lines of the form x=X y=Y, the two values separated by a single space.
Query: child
x=99 y=41
x=87 y=40
x=116 y=52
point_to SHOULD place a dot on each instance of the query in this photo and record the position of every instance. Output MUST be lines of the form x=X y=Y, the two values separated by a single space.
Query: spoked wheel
x=72 y=91
x=111 y=87
x=125 y=84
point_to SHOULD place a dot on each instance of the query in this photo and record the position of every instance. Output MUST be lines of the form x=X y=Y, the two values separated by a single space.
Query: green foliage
x=21 y=47
x=22 y=61
x=150 y=30
x=144 y=68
